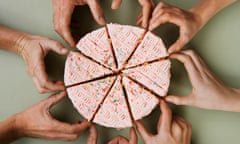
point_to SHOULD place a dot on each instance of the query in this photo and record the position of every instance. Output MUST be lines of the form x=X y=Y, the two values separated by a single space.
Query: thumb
x=55 y=98
x=179 y=100
x=143 y=131
x=57 y=47
x=177 y=46
x=116 y=4
x=97 y=11
x=92 y=138
x=133 y=136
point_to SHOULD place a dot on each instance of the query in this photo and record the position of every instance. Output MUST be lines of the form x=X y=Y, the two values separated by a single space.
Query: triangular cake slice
x=87 y=97
x=114 y=110
x=155 y=76
x=124 y=40
x=151 y=48
x=79 y=68
x=97 y=46
x=141 y=101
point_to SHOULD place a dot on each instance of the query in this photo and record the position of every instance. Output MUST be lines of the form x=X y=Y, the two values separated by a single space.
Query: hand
x=123 y=140
x=37 y=121
x=33 y=50
x=145 y=13
x=189 y=23
x=92 y=138
x=170 y=130
x=63 y=9
x=207 y=90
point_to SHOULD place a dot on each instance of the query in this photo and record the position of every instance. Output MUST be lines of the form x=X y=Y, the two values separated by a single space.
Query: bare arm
x=206 y=9
x=33 y=49
x=10 y=39
x=37 y=121
x=7 y=131
x=189 y=21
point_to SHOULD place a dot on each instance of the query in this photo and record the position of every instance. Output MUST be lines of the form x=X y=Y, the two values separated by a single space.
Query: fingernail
x=169 y=99
x=102 y=20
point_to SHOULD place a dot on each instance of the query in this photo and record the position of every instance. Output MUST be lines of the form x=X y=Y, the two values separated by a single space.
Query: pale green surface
x=217 y=43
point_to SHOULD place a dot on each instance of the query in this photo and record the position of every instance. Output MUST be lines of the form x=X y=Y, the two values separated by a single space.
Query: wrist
x=236 y=100
x=8 y=130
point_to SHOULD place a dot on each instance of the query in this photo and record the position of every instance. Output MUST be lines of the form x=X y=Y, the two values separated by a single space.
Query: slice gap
x=96 y=45
x=156 y=76
x=114 y=110
x=99 y=106
x=113 y=52
x=86 y=98
x=90 y=58
x=147 y=63
x=151 y=47
x=142 y=85
x=126 y=98
x=92 y=80
x=141 y=101
x=125 y=39
x=79 y=68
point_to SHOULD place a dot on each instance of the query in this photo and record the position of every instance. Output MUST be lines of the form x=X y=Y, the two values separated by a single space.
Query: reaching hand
x=92 y=138
x=123 y=140
x=189 y=23
x=37 y=121
x=33 y=50
x=63 y=10
x=170 y=130
x=207 y=90
x=145 y=13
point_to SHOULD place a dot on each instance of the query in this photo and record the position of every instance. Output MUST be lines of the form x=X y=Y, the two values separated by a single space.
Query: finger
x=62 y=19
x=77 y=128
x=165 y=17
x=56 y=47
x=55 y=98
x=143 y=131
x=139 y=22
x=196 y=58
x=116 y=4
x=92 y=138
x=40 y=89
x=178 y=45
x=97 y=11
x=166 y=117
x=179 y=100
x=192 y=70
x=139 y=19
x=146 y=12
x=118 y=140
x=160 y=6
x=133 y=136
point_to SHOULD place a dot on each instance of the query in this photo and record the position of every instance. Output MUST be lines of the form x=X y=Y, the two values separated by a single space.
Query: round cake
x=117 y=75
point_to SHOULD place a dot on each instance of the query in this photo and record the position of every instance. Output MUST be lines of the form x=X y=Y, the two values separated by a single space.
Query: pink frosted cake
x=118 y=75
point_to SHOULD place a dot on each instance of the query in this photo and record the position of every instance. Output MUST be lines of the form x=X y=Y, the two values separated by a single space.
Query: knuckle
x=41 y=90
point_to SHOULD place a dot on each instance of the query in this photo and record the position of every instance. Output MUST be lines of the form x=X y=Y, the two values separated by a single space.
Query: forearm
x=206 y=9
x=10 y=39
x=8 y=132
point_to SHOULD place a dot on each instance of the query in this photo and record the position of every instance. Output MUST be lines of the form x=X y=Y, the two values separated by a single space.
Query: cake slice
x=141 y=101
x=97 y=46
x=151 y=48
x=114 y=110
x=124 y=40
x=79 y=68
x=87 y=97
x=154 y=76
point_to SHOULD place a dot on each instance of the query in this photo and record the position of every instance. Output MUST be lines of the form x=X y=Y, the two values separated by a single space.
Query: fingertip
x=64 y=51
x=101 y=20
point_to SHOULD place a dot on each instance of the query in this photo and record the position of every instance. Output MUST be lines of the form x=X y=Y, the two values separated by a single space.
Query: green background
x=217 y=43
